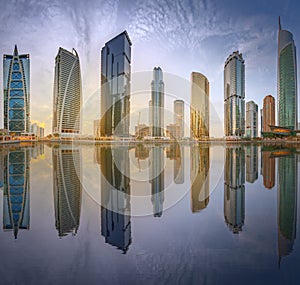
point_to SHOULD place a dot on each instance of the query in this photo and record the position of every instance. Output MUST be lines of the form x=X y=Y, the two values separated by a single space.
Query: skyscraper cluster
x=115 y=96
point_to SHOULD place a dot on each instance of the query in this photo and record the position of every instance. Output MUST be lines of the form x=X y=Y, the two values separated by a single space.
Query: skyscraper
x=16 y=92
x=199 y=110
x=67 y=94
x=157 y=101
x=268 y=169
x=115 y=86
x=251 y=119
x=287 y=80
x=179 y=115
x=234 y=95
x=268 y=113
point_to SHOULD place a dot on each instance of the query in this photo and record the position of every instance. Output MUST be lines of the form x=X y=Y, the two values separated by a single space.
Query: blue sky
x=179 y=36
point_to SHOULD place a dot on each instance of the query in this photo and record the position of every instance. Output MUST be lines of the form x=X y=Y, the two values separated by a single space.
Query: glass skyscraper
x=67 y=94
x=157 y=101
x=115 y=86
x=287 y=80
x=179 y=115
x=251 y=119
x=199 y=109
x=16 y=91
x=234 y=95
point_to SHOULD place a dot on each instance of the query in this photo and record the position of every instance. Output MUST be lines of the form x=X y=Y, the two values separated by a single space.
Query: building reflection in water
x=16 y=207
x=157 y=179
x=268 y=168
x=234 y=188
x=251 y=163
x=67 y=188
x=175 y=152
x=199 y=155
x=287 y=203
x=115 y=195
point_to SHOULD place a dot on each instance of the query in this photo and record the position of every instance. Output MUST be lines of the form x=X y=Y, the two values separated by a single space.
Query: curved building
x=234 y=95
x=287 y=80
x=16 y=91
x=67 y=94
x=199 y=109
x=268 y=113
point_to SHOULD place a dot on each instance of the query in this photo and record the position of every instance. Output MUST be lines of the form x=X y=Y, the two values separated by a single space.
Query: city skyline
x=258 y=44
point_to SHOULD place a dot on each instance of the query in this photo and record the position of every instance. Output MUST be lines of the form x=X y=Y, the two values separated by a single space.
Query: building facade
x=251 y=119
x=199 y=109
x=67 y=94
x=287 y=80
x=157 y=103
x=115 y=86
x=268 y=115
x=234 y=95
x=179 y=116
x=16 y=92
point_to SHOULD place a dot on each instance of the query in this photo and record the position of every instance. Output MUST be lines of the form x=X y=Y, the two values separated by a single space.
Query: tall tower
x=199 y=110
x=179 y=115
x=268 y=113
x=234 y=95
x=287 y=80
x=157 y=101
x=251 y=119
x=16 y=91
x=115 y=86
x=67 y=94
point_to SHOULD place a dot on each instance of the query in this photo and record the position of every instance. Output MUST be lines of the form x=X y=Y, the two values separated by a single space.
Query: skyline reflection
x=166 y=170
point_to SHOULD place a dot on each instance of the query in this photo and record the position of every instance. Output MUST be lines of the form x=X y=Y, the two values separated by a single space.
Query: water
x=149 y=214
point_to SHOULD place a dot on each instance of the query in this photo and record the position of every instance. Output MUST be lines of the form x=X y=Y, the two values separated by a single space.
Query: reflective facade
x=16 y=92
x=287 y=203
x=200 y=163
x=234 y=95
x=16 y=204
x=157 y=101
x=67 y=189
x=115 y=196
x=287 y=80
x=67 y=94
x=268 y=116
x=157 y=179
x=234 y=188
x=268 y=169
x=251 y=120
x=251 y=163
x=115 y=86
x=199 y=110
x=179 y=116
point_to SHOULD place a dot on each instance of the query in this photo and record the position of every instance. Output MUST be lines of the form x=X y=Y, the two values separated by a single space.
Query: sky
x=179 y=36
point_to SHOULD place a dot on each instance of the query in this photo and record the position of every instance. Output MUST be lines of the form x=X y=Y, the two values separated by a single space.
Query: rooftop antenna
x=279 y=23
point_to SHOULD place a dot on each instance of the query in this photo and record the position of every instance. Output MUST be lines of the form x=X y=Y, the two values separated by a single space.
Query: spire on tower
x=279 y=23
x=16 y=50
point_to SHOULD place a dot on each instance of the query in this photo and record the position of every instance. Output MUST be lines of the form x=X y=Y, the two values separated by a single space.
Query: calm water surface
x=149 y=214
